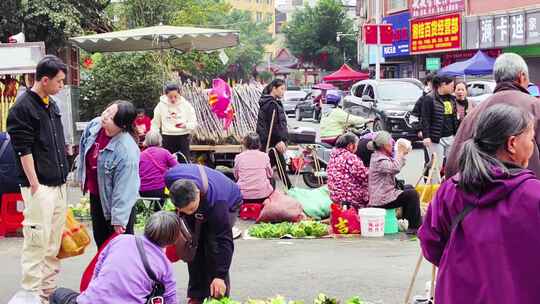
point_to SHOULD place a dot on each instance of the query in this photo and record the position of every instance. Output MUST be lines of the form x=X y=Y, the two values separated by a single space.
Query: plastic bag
x=315 y=202
x=281 y=208
x=75 y=237
x=344 y=221
x=220 y=101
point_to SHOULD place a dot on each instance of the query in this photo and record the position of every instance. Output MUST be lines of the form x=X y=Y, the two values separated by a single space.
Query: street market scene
x=269 y=151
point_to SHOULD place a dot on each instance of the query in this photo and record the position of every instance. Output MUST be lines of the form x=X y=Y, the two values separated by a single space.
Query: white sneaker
x=25 y=297
x=236 y=232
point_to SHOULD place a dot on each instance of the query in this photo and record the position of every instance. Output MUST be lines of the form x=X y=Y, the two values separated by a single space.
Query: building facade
x=261 y=11
x=430 y=34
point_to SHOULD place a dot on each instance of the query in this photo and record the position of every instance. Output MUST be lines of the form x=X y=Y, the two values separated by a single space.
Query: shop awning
x=479 y=64
x=345 y=73
x=159 y=38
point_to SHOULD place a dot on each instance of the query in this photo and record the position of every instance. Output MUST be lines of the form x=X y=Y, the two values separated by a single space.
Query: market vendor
x=175 y=117
x=347 y=175
x=206 y=195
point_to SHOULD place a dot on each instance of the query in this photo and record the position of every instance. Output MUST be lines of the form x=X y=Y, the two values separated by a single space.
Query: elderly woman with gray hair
x=120 y=277
x=511 y=74
x=383 y=191
x=155 y=161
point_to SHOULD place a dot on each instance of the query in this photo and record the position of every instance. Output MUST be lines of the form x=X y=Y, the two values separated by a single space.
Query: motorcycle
x=312 y=159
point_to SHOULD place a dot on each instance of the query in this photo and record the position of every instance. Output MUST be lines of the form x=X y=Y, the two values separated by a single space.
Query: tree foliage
x=52 y=21
x=130 y=76
x=142 y=13
x=312 y=32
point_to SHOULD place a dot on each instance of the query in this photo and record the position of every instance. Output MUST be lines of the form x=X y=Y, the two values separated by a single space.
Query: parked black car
x=389 y=103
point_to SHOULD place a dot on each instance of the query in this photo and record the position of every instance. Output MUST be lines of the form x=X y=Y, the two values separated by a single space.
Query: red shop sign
x=436 y=34
x=424 y=8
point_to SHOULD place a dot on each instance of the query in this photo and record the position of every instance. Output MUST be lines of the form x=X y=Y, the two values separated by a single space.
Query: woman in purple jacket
x=155 y=161
x=482 y=227
x=120 y=276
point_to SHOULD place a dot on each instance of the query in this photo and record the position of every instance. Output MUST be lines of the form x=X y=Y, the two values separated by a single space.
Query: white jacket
x=167 y=116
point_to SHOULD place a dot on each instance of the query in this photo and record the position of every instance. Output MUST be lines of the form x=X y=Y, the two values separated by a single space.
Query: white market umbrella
x=159 y=37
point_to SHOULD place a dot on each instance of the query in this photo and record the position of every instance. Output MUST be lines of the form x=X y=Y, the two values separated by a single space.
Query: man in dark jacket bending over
x=201 y=193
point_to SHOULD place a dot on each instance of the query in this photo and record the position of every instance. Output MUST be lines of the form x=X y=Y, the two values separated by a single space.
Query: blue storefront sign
x=400 y=24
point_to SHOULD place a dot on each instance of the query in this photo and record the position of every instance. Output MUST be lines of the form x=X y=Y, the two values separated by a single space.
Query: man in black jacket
x=38 y=140
x=271 y=107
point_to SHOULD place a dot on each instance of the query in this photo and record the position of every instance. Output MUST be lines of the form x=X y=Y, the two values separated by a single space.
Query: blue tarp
x=479 y=64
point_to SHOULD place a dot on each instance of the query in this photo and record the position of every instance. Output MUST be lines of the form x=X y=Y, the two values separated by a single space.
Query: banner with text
x=424 y=8
x=436 y=34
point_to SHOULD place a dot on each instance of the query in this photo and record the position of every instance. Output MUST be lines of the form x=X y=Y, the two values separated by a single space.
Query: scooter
x=313 y=159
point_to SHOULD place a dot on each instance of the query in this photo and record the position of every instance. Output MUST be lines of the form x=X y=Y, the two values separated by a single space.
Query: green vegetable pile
x=82 y=209
x=298 y=230
x=321 y=299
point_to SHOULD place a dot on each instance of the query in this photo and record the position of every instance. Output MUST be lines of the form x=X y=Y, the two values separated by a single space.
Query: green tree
x=253 y=35
x=312 y=33
x=142 y=13
x=130 y=76
x=53 y=21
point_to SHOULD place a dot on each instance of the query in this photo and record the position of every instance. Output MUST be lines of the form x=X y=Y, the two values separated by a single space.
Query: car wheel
x=297 y=114
x=378 y=125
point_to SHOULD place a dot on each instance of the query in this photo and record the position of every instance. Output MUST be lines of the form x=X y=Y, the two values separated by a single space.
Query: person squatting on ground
x=206 y=195
x=120 y=276
x=175 y=117
x=154 y=162
x=347 y=175
x=383 y=190
x=253 y=171
x=439 y=119
x=109 y=170
x=271 y=106
x=512 y=77
x=37 y=136
x=481 y=229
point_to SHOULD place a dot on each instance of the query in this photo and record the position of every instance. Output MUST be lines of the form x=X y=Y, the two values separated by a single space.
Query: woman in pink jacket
x=253 y=171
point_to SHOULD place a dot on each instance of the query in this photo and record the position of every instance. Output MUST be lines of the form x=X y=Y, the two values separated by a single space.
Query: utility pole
x=378 y=50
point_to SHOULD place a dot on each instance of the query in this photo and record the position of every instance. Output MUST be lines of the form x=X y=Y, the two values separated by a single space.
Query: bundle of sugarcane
x=210 y=130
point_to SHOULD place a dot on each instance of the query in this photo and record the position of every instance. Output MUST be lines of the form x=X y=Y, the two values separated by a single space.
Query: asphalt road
x=378 y=270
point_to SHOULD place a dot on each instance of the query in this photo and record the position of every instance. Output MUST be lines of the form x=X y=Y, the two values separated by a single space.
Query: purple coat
x=493 y=255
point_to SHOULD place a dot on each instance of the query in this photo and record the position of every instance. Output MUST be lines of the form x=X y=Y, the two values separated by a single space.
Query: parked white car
x=479 y=90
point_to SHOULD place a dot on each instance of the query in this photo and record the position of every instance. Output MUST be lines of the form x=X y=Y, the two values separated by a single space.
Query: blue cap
x=533 y=90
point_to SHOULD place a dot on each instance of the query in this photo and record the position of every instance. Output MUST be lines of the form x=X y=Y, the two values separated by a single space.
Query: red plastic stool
x=10 y=218
x=250 y=211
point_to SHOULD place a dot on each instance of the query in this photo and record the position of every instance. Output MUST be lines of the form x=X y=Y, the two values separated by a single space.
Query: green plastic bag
x=316 y=202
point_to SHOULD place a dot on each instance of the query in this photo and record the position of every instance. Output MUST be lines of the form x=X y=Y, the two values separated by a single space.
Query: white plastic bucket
x=372 y=221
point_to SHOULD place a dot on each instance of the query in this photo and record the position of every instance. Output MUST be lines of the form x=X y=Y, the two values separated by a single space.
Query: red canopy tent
x=345 y=73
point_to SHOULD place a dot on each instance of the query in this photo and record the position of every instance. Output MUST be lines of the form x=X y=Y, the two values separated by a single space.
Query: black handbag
x=156 y=295
x=187 y=243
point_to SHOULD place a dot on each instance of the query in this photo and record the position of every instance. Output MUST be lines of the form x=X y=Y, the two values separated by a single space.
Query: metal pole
x=378 y=57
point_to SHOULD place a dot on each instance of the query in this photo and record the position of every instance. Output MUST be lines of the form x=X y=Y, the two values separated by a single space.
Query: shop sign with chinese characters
x=436 y=34
x=519 y=28
x=424 y=8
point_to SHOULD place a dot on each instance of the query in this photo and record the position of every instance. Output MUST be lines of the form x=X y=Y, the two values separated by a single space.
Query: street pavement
x=378 y=269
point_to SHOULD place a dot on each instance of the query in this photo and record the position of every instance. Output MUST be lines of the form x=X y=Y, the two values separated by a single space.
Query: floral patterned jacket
x=347 y=178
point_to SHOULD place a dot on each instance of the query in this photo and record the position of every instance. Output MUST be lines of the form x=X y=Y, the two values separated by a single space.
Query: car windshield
x=398 y=90
x=294 y=95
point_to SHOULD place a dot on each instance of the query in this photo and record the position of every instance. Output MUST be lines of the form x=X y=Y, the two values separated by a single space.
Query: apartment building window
x=269 y=18
x=259 y=17
x=397 y=5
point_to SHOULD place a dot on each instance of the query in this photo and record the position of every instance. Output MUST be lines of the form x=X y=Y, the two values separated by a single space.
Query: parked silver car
x=291 y=99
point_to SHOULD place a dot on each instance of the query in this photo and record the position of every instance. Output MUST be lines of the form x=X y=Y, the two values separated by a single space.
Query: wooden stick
x=433 y=278
x=430 y=176
x=270 y=131
x=415 y=273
